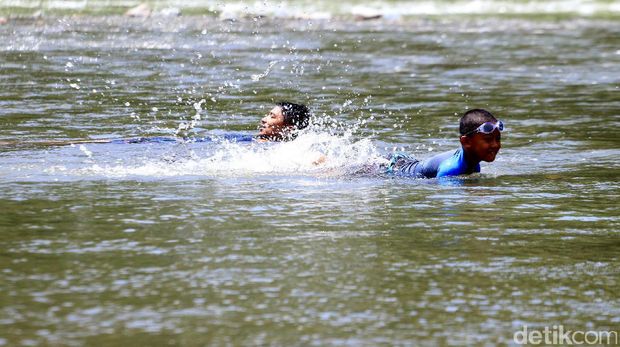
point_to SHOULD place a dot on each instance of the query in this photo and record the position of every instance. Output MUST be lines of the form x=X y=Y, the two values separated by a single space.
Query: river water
x=224 y=243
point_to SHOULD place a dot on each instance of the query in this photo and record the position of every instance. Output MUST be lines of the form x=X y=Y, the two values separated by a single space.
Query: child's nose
x=496 y=144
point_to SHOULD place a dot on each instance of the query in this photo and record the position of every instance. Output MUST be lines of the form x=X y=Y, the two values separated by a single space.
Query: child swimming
x=480 y=141
x=281 y=124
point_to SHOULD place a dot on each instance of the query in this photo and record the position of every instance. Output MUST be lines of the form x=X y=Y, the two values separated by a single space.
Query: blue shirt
x=451 y=163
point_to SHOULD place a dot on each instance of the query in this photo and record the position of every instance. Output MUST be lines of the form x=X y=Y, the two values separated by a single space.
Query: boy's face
x=273 y=126
x=483 y=147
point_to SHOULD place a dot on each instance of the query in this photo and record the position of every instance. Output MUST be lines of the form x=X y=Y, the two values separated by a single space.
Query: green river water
x=231 y=244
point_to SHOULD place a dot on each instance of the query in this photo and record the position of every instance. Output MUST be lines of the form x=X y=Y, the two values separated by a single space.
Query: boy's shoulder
x=438 y=159
x=455 y=165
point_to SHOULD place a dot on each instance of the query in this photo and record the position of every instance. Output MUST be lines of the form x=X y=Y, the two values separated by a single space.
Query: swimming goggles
x=488 y=127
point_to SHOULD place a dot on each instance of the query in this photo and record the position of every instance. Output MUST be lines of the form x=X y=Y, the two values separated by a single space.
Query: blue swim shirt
x=451 y=163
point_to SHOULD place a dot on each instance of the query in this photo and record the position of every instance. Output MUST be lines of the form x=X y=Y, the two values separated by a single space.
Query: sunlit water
x=225 y=243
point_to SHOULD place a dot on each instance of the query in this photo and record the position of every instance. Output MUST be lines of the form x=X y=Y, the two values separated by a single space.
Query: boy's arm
x=446 y=170
x=320 y=160
x=449 y=167
x=455 y=167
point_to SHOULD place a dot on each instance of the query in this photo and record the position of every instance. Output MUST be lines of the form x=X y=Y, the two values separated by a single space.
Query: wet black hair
x=472 y=119
x=297 y=115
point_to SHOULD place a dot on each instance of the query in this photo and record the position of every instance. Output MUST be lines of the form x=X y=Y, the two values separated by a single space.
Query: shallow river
x=224 y=243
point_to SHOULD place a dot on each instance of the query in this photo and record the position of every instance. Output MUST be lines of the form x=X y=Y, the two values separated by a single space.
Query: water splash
x=311 y=153
x=258 y=77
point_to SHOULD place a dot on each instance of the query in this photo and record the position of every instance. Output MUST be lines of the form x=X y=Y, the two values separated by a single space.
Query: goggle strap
x=481 y=129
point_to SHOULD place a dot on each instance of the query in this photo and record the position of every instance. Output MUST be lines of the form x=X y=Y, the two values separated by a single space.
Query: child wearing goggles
x=480 y=141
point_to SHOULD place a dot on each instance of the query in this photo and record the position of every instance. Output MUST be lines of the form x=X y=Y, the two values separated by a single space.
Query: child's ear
x=465 y=142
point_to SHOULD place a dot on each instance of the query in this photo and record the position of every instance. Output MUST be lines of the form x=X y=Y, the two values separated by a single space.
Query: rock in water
x=142 y=10
x=366 y=13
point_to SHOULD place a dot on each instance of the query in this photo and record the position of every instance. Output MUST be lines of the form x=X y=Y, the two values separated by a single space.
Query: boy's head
x=282 y=120
x=480 y=135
